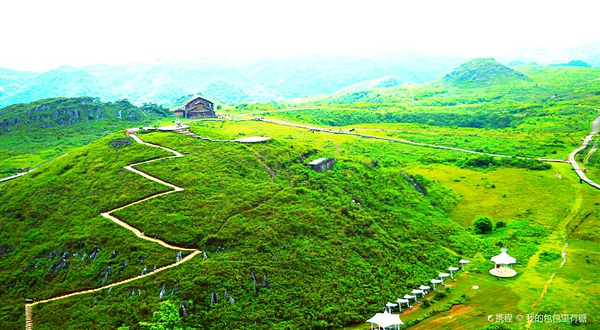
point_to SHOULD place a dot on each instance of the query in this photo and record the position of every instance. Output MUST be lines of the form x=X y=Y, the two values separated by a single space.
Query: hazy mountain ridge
x=233 y=82
x=573 y=63
x=265 y=80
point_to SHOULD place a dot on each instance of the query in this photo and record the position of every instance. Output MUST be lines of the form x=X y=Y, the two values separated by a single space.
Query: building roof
x=318 y=161
x=253 y=139
x=195 y=98
x=503 y=259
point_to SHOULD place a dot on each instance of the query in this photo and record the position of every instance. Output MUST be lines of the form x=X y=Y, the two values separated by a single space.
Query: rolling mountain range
x=266 y=80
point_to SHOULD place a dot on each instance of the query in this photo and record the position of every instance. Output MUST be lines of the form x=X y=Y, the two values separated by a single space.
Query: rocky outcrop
x=71 y=111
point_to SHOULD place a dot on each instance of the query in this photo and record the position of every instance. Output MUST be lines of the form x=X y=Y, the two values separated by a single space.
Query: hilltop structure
x=322 y=164
x=196 y=107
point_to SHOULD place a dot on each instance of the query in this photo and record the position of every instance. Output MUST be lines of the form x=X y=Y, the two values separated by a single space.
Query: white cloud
x=45 y=34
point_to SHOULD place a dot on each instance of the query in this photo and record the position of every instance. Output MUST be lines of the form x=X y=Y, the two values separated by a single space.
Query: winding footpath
x=137 y=232
x=249 y=139
x=14 y=176
x=339 y=131
x=584 y=144
x=571 y=160
x=29 y=171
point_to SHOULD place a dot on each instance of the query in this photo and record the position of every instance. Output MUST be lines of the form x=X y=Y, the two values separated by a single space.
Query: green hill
x=482 y=72
x=51 y=225
x=553 y=100
x=327 y=249
x=35 y=132
x=573 y=63
x=298 y=249
x=302 y=230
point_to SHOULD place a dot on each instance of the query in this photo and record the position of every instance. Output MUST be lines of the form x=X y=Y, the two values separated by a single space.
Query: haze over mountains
x=169 y=83
x=265 y=80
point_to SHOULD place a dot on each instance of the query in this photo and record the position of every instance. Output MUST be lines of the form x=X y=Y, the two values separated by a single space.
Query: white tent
x=425 y=288
x=435 y=281
x=391 y=319
x=463 y=262
x=417 y=292
x=442 y=276
x=452 y=270
x=384 y=320
x=390 y=305
x=503 y=259
x=402 y=301
x=377 y=319
x=407 y=296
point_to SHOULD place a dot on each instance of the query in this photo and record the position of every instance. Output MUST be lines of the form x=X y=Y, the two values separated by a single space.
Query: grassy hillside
x=328 y=250
x=546 y=116
x=302 y=231
x=481 y=72
x=54 y=214
x=36 y=132
x=328 y=261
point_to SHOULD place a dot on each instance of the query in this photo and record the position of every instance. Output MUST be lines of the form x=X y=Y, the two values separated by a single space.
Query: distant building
x=196 y=107
x=322 y=164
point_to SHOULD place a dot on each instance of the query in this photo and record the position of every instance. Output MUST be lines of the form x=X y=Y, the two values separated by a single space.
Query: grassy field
x=505 y=195
x=571 y=216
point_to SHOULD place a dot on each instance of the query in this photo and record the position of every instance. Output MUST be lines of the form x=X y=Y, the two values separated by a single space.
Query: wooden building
x=196 y=107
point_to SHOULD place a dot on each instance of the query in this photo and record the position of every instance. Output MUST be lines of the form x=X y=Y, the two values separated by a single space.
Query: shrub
x=549 y=256
x=425 y=304
x=483 y=225
x=440 y=295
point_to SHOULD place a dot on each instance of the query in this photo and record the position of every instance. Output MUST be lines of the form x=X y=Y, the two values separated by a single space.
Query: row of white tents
x=389 y=320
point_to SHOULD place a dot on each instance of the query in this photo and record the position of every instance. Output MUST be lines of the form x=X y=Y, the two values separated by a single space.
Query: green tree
x=483 y=225
x=166 y=318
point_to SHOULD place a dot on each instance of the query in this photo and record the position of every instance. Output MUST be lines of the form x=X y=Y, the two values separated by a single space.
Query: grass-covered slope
x=327 y=259
x=327 y=249
x=481 y=72
x=558 y=99
x=50 y=225
x=35 y=132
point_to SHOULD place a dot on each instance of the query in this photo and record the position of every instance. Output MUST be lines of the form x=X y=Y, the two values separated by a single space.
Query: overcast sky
x=41 y=35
